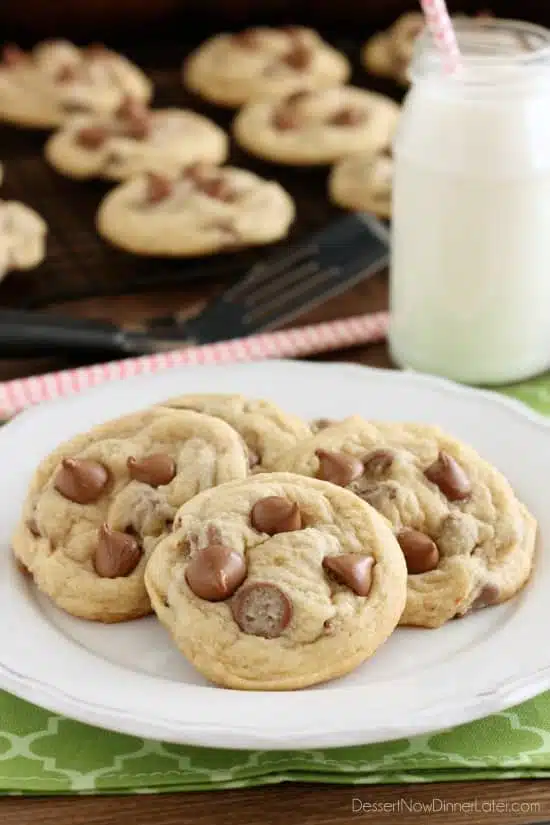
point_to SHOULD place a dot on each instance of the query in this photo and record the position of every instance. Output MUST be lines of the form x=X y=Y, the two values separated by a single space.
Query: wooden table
x=500 y=803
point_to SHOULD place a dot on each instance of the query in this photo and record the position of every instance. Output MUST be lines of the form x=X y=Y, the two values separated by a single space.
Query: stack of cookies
x=278 y=553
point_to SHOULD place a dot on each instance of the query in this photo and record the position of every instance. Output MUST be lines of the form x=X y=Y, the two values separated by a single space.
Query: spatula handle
x=30 y=334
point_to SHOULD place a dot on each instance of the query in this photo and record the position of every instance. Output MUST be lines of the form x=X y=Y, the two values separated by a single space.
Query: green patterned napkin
x=42 y=753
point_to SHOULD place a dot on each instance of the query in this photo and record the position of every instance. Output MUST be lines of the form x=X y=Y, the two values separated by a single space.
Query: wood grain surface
x=476 y=803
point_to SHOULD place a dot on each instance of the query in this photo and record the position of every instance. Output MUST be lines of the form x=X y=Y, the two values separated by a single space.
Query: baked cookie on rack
x=363 y=182
x=318 y=127
x=263 y=63
x=43 y=87
x=132 y=140
x=277 y=582
x=202 y=210
x=99 y=504
x=389 y=53
x=467 y=540
x=23 y=234
x=266 y=429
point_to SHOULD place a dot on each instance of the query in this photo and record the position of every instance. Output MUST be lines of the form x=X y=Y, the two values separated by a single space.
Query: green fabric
x=42 y=753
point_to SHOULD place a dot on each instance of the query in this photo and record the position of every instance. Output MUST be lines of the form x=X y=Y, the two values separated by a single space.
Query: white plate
x=130 y=677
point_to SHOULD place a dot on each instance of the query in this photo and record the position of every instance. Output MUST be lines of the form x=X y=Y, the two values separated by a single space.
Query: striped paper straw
x=292 y=343
x=438 y=21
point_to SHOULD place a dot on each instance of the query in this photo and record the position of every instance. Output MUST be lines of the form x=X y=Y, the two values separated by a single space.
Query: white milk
x=470 y=271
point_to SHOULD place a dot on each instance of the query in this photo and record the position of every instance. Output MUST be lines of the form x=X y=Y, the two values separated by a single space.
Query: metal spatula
x=271 y=294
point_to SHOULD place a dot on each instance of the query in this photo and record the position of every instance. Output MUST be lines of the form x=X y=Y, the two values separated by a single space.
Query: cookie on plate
x=389 y=54
x=201 y=211
x=277 y=582
x=56 y=80
x=266 y=429
x=263 y=63
x=132 y=140
x=22 y=237
x=363 y=182
x=319 y=127
x=99 y=504
x=467 y=540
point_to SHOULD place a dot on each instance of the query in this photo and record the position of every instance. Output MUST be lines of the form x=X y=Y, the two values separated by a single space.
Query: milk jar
x=470 y=269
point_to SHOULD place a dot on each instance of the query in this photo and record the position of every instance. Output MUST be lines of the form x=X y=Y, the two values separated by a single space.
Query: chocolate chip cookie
x=317 y=127
x=467 y=540
x=267 y=430
x=389 y=53
x=133 y=140
x=363 y=182
x=99 y=504
x=23 y=237
x=56 y=80
x=277 y=582
x=263 y=63
x=201 y=210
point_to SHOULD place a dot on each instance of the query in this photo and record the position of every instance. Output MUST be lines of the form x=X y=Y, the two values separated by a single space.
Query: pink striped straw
x=438 y=21
x=298 y=342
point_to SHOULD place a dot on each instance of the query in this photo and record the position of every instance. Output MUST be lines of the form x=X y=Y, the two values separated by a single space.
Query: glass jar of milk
x=470 y=270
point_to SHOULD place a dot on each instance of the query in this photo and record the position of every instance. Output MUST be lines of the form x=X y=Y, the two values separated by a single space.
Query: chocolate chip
x=138 y=128
x=12 y=55
x=321 y=423
x=96 y=50
x=261 y=609
x=449 y=476
x=117 y=554
x=338 y=468
x=247 y=39
x=421 y=553
x=295 y=32
x=275 y=514
x=81 y=480
x=215 y=572
x=253 y=458
x=74 y=107
x=197 y=172
x=297 y=97
x=285 y=119
x=32 y=527
x=158 y=188
x=130 y=108
x=156 y=469
x=23 y=569
x=65 y=74
x=348 y=116
x=299 y=57
x=136 y=120
x=328 y=627
x=352 y=570
x=218 y=188
x=92 y=137
x=378 y=463
x=487 y=596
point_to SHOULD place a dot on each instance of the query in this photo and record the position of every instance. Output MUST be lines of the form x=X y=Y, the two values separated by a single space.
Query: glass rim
x=425 y=48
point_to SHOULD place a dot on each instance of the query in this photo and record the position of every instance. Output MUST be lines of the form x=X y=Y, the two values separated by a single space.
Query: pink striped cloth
x=20 y=393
